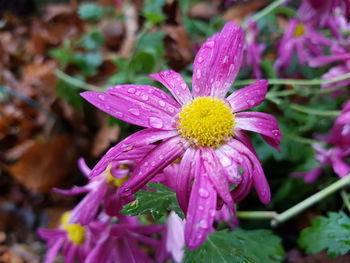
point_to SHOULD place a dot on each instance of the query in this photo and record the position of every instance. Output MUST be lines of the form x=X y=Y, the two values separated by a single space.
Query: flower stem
x=297 y=82
x=298 y=208
x=313 y=111
x=345 y=197
x=268 y=9
x=75 y=82
x=293 y=211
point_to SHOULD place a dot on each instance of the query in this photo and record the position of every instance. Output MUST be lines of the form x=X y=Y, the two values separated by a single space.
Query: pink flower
x=203 y=128
x=300 y=38
x=253 y=50
x=102 y=189
x=74 y=240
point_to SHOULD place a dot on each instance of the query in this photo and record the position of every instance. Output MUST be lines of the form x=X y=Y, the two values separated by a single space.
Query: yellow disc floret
x=116 y=181
x=299 y=30
x=75 y=232
x=206 y=122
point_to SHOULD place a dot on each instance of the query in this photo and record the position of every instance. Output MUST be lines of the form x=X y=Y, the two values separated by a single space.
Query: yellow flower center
x=299 y=30
x=116 y=181
x=75 y=232
x=206 y=122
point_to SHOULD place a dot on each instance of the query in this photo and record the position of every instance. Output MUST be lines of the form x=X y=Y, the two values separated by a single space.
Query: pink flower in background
x=300 y=38
x=319 y=12
x=203 y=128
x=253 y=50
x=339 y=140
x=74 y=240
x=102 y=189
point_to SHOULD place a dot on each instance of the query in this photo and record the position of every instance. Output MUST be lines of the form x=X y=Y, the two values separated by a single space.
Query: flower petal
x=262 y=123
x=260 y=183
x=201 y=209
x=131 y=143
x=155 y=161
x=53 y=250
x=248 y=97
x=174 y=82
x=185 y=176
x=217 y=175
x=145 y=106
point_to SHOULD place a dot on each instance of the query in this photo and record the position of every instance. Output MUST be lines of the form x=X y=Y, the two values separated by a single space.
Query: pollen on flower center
x=116 y=181
x=75 y=232
x=299 y=30
x=206 y=122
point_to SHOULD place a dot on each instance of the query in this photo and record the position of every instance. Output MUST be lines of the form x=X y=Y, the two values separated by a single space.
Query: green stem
x=75 y=82
x=345 y=197
x=296 y=82
x=256 y=214
x=293 y=211
x=298 y=208
x=306 y=110
x=268 y=9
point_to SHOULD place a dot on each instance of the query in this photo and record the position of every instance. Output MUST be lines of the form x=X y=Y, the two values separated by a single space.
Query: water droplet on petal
x=198 y=74
x=276 y=133
x=134 y=111
x=144 y=97
x=101 y=97
x=107 y=107
x=203 y=193
x=119 y=114
x=201 y=208
x=225 y=161
x=161 y=103
x=131 y=90
x=200 y=59
x=203 y=224
x=138 y=93
x=155 y=122
x=161 y=157
x=183 y=86
x=212 y=212
x=251 y=102
x=171 y=109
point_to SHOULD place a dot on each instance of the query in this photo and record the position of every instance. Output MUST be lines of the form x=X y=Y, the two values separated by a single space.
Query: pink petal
x=217 y=62
x=53 y=250
x=260 y=183
x=131 y=143
x=217 y=175
x=248 y=97
x=145 y=106
x=201 y=67
x=155 y=161
x=262 y=123
x=185 y=176
x=201 y=209
x=174 y=82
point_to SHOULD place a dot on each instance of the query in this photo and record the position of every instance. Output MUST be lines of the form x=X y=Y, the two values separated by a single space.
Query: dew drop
x=171 y=109
x=131 y=90
x=200 y=59
x=101 y=97
x=203 y=193
x=151 y=90
x=198 y=74
x=119 y=114
x=161 y=103
x=183 y=86
x=107 y=107
x=155 y=122
x=134 y=111
x=153 y=163
x=225 y=161
x=144 y=97
x=201 y=208
x=276 y=133
x=138 y=93
x=203 y=224
x=251 y=102
x=145 y=163
x=161 y=157
x=212 y=212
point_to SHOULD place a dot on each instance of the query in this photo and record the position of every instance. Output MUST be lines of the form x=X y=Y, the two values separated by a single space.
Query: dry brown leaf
x=203 y=10
x=105 y=136
x=131 y=26
x=45 y=164
x=239 y=11
x=178 y=47
x=114 y=34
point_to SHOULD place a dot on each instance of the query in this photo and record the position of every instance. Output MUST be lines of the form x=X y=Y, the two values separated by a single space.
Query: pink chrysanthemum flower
x=301 y=38
x=74 y=240
x=204 y=129
x=339 y=151
x=102 y=189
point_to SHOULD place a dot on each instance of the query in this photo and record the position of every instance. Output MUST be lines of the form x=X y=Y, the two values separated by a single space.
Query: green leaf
x=93 y=40
x=88 y=63
x=254 y=246
x=143 y=62
x=152 y=43
x=90 y=12
x=158 y=203
x=69 y=94
x=331 y=233
x=64 y=55
x=153 y=12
